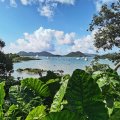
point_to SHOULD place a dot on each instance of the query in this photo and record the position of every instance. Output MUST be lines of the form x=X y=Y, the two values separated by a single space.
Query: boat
x=86 y=59
x=77 y=58
x=36 y=56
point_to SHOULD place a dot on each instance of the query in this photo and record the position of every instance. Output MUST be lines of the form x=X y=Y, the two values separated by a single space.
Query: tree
x=107 y=25
x=6 y=64
x=2 y=44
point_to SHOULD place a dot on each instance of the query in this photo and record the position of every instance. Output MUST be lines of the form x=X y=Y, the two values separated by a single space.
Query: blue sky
x=58 y=26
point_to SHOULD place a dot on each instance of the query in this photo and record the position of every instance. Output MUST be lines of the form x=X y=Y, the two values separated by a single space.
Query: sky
x=56 y=26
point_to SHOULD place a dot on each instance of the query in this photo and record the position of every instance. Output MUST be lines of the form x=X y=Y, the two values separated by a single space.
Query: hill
x=75 y=54
x=43 y=53
x=48 y=54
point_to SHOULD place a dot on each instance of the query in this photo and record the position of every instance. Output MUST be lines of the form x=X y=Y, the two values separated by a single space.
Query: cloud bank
x=54 y=41
x=47 y=7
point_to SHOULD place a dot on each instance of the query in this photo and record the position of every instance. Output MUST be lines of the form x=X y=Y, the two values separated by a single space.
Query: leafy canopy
x=107 y=23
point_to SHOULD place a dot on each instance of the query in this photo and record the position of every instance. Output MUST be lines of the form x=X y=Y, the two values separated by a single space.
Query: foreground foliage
x=85 y=95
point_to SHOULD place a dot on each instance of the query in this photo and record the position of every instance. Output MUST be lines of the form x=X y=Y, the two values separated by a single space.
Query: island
x=31 y=70
x=17 y=58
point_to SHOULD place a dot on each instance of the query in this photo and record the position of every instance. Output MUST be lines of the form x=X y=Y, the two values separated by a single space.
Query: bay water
x=67 y=64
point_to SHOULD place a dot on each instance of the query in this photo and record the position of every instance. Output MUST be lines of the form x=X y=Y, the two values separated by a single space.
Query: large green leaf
x=54 y=86
x=24 y=99
x=58 y=98
x=106 y=77
x=11 y=112
x=37 y=86
x=2 y=95
x=84 y=96
x=115 y=115
x=63 y=115
x=109 y=82
x=37 y=113
x=116 y=111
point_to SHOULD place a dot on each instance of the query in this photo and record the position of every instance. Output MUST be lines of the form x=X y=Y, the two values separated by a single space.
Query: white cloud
x=63 y=39
x=84 y=44
x=65 y=1
x=25 y=2
x=46 y=11
x=42 y=39
x=13 y=3
x=54 y=41
x=2 y=0
x=45 y=7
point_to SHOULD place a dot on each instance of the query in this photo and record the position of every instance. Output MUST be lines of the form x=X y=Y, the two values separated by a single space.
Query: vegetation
x=31 y=70
x=107 y=24
x=114 y=57
x=6 y=65
x=75 y=54
x=93 y=94
x=73 y=97
x=18 y=58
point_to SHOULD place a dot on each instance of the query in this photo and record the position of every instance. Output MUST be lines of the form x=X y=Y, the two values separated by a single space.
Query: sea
x=67 y=64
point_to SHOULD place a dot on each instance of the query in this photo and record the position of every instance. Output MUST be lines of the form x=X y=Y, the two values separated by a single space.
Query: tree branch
x=117 y=66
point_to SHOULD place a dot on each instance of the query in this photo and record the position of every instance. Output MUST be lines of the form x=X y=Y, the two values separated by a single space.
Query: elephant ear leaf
x=63 y=115
x=37 y=113
x=2 y=95
x=115 y=115
x=116 y=111
x=84 y=96
x=37 y=86
x=58 y=98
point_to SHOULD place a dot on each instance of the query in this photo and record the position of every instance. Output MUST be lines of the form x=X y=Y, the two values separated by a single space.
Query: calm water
x=68 y=64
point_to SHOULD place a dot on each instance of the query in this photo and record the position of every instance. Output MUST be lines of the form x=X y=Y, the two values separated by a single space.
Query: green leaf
x=117 y=104
x=37 y=86
x=84 y=96
x=96 y=75
x=11 y=109
x=63 y=115
x=115 y=115
x=101 y=82
x=37 y=113
x=11 y=113
x=2 y=95
x=57 y=102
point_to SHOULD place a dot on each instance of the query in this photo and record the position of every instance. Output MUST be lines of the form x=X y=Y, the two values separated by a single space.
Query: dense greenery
x=107 y=26
x=6 y=64
x=90 y=94
x=83 y=96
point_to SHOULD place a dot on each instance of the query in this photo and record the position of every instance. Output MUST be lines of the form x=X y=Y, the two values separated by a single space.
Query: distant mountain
x=22 y=53
x=48 y=54
x=75 y=54
x=43 y=53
